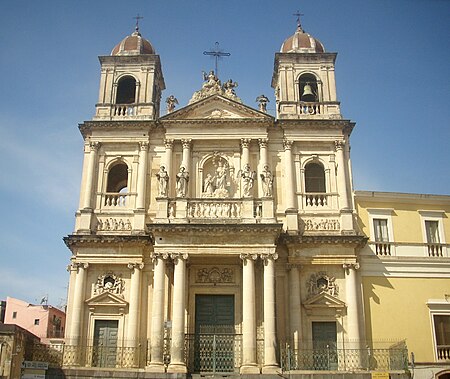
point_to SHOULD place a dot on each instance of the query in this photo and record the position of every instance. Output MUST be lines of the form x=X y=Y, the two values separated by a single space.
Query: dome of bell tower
x=301 y=42
x=133 y=44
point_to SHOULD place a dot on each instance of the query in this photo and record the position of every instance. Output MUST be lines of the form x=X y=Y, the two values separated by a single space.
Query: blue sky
x=392 y=72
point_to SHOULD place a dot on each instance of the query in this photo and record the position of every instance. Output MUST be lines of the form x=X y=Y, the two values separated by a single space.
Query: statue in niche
x=267 y=181
x=221 y=176
x=163 y=180
x=208 y=186
x=182 y=182
x=248 y=178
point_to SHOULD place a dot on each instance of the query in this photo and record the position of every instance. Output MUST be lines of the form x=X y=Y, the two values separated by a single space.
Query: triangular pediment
x=106 y=299
x=216 y=107
x=323 y=300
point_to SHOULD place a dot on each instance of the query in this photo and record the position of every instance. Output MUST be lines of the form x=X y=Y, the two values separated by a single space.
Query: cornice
x=400 y=197
x=73 y=240
x=212 y=229
x=297 y=239
x=88 y=126
x=346 y=125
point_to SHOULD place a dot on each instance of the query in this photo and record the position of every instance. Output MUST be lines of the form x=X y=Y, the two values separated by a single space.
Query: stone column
x=289 y=175
x=77 y=304
x=341 y=175
x=157 y=333
x=289 y=187
x=270 y=336
x=295 y=310
x=186 y=162
x=263 y=160
x=353 y=305
x=249 y=365
x=168 y=143
x=245 y=144
x=142 y=175
x=133 y=314
x=177 y=363
x=90 y=174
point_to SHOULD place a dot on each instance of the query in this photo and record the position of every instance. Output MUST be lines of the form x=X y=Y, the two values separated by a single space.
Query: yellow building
x=405 y=270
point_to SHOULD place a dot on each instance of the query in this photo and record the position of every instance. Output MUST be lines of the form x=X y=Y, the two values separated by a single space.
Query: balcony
x=302 y=109
x=209 y=210
x=443 y=352
x=407 y=249
x=319 y=201
x=134 y=111
x=435 y=249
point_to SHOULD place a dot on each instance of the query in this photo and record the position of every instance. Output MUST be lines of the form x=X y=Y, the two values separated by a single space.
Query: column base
x=249 y=369
x=271 y=369
x=177 y=368
x=155 y=367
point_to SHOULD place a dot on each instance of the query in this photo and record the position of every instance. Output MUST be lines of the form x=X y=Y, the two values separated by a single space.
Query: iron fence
x=340 y=359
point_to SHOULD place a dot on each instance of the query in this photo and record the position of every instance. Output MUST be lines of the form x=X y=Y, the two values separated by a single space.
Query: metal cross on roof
x=217 y=53
x=298 y=14
x=137 y=21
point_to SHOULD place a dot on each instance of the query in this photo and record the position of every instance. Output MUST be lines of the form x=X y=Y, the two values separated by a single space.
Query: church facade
x=217 y=238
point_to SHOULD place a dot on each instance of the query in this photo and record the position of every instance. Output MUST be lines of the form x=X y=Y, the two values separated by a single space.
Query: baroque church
x=216 y=238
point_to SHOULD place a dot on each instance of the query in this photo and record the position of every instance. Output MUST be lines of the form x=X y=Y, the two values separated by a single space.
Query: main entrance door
x=324 y=345
x=104 y=350
x=214 y=333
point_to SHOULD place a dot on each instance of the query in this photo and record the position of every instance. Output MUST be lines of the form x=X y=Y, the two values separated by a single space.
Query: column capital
x=75 y=266
x=186 y=143
x=350 y=266
x=293 y=266
x=155 y=256
x=143 y=145
x=339 y=145
x=287 y=144
x=245 y=143
x=177 y=256
x=245 y=257
x=135 y=266
x=266 y=257
x=263 y=142
x=94 y=145
x=168 y=143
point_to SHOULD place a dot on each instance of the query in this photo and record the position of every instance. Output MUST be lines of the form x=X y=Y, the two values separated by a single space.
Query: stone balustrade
x=319 y=201
x=115 y=199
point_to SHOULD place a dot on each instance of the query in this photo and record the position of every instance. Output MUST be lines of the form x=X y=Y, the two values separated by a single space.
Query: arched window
x=314 y=178
x=308 y=88
x=126 y=90
x=118 y=179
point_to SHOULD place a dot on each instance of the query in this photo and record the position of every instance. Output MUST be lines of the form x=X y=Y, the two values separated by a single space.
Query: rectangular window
x=432 y=230
x=14 y=315
x=380 y=227
x=442 y=333
x=36 y=321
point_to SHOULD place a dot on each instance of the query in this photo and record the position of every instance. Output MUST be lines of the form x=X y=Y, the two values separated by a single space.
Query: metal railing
x=334 y=359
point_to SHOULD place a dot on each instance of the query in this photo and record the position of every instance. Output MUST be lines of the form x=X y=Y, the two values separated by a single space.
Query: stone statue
x=262 y=103
x=171 y=101
x=248 y=177
x=221 y=176
x=182 y=182
x=163 y=180
x=267 y=181
x=228 y=87
x=208 y=186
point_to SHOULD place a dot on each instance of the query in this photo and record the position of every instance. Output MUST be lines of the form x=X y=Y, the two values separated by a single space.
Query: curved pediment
x=217 y=107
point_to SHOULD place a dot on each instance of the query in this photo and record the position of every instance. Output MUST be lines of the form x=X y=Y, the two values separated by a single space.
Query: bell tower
x=303 y=79
x=131 y=81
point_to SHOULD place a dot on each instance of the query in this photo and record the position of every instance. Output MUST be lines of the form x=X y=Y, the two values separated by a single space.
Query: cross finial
x=298 y=14
x=137 y=21
x=217 y=53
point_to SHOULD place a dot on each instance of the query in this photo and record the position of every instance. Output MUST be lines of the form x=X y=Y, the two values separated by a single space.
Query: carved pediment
x=324 y=300
x=106 y=299
x=216 y=107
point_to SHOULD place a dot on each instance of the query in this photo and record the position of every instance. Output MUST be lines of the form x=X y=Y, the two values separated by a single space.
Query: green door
x=214 y=333
x=324 y=345
x=104 y=351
